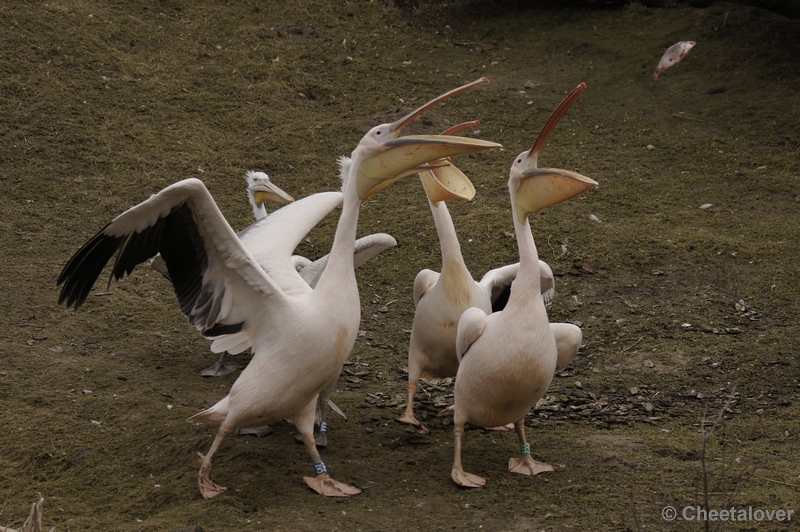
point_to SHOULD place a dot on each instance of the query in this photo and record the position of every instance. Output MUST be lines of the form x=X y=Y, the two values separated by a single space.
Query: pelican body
x=300 y=337
x=508 y=358
x=260 y=239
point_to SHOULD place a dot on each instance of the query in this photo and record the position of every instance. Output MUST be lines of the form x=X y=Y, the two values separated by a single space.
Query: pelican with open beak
x=508 y=358
x=300 y=336
x=442 y=297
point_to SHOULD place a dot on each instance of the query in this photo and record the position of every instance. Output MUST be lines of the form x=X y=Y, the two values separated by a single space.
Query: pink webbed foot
x=503 y=428
x=409 y=419
x=528 y=466
x=208 y=488
x=325 y=485
x=467 y=480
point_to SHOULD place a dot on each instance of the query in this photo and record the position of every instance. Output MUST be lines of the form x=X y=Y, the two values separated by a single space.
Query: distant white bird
x=300 y=336
x=508 y=358
x=441 y=298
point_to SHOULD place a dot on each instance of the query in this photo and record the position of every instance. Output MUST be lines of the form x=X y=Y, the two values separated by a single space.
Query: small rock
x=650 y=147
x=705 y=205
x=648 y=407
x=634 y=390
x=594 y=218
x=649 y=364
x=579 y=385
x=90 y=341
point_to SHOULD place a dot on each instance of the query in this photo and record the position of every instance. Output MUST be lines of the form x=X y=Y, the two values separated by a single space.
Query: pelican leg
x=321 y=436
x=323 y=407
x=525 y=465
x=408 y=416
x=221 y=368
x=322 y=483
x=209 y=488
x=457 y=473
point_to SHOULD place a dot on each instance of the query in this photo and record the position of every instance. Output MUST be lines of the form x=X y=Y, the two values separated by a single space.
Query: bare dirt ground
x=686 y=288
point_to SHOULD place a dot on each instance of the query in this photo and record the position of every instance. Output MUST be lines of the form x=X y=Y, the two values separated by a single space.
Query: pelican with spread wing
x=300 y=337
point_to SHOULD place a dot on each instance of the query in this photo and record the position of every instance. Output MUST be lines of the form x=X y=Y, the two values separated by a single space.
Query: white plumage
x=441 y=298
x=508 y=358
x=300 y=336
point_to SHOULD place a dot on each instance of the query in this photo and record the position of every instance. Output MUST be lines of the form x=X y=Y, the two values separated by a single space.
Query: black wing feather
x=178 y=239
x=176 y=236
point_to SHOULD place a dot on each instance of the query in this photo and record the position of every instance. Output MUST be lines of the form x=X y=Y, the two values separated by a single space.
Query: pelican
x=260 y=190
x=300 y=337
x=508 y=358
x=441 y=298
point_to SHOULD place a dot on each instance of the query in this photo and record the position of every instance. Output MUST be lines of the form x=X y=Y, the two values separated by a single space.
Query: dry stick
x=634 y=344
x=777 y=482
x=706 y=436
x=691 y=118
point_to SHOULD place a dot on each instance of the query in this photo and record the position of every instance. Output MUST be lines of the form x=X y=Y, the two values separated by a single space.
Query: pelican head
x=384 y=157
x=536 y=188
x=444 y=181
x=261 y=190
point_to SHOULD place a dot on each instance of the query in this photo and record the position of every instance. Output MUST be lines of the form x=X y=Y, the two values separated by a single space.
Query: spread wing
x=272 y=239
x=219 y=285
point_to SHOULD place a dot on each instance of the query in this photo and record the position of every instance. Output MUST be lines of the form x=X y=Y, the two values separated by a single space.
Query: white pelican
x=441 y=298
x=260 y=190
x=300 y=336
x=508 y=358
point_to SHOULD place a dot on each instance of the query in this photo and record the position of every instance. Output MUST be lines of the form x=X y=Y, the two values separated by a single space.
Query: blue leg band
x=323 y=426
x=525 y=448
x=319 y=468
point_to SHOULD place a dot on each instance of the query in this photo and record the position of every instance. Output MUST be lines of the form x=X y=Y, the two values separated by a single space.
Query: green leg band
x=525 y=448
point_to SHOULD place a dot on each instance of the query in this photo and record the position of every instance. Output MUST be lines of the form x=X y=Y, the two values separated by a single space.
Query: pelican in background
x=441 y=298
x=300 y=336
x=508 y=358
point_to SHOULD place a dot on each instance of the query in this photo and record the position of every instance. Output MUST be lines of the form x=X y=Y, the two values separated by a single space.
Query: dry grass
x=104 y=104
